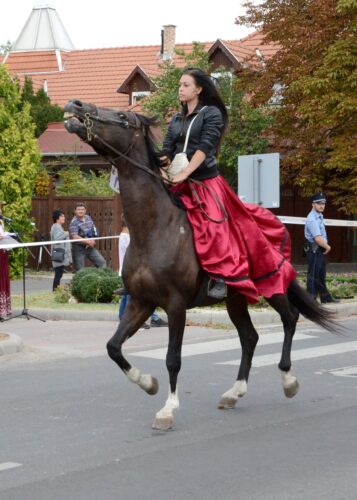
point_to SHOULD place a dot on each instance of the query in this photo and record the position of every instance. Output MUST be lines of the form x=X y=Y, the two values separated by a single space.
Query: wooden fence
x=105 y=211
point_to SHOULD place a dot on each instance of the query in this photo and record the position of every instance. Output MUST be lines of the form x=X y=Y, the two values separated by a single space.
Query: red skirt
x=250 y=250
x=5 y=300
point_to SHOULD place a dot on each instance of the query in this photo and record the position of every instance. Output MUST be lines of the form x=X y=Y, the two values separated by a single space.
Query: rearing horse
x=161 y=266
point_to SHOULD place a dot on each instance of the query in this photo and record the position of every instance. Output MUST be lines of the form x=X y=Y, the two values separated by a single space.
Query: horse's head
x=117 y=135
x=106 y=130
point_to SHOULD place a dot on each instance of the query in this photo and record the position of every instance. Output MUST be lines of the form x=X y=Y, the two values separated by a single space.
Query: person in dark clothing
x=242 y=245
x=316 y=249
x=58 y=233
x=81 y=228
x=5 y=289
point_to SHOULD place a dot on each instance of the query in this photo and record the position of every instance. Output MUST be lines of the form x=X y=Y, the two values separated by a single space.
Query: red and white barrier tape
x=284 y=219
x=8 y=246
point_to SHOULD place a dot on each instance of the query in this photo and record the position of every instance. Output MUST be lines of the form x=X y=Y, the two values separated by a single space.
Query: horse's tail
x=311 y=309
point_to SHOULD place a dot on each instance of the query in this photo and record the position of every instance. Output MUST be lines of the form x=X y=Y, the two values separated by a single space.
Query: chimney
x=168 y=35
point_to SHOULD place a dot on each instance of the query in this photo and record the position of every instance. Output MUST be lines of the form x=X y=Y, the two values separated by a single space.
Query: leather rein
x=123 y=122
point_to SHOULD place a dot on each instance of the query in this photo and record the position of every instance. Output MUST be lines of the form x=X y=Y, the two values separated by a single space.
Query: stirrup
x=218 y=291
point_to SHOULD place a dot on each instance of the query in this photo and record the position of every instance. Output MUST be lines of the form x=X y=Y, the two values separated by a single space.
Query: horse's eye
x=121 y=115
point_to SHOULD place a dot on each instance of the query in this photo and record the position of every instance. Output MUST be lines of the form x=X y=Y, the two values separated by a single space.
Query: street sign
x=259 y=179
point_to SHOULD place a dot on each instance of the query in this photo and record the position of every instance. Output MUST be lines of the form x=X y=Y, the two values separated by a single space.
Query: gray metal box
x=259 y=179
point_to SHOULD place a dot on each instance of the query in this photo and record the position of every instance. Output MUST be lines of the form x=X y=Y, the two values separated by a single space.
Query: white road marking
x=312 y=352
x=346 y=371
x=218 y=346
x=8 y=465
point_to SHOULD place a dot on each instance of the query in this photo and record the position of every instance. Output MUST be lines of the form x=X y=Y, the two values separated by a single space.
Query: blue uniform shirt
x=315 y=226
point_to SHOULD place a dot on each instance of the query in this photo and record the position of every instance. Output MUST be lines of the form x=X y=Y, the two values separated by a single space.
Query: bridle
x=89 y=123
x=124 y=122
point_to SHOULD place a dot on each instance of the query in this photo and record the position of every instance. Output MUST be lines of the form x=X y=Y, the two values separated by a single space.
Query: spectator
x=124 y=240
x=316 y=248
x=64 y=249
x=5 y=296
x=81 y=228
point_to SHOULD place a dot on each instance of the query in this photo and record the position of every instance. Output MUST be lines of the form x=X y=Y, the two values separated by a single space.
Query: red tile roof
x=95 y=75
x=244 y=49
x=56 y=140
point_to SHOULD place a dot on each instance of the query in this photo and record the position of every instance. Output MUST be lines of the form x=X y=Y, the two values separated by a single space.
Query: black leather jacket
x=205 y=135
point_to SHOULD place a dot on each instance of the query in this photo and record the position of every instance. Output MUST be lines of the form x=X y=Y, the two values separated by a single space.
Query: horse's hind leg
x=135 y=315
x=238 y=312
x=289 y=316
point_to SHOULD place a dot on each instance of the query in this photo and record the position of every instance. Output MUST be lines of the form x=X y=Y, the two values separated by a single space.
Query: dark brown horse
x=161 y=267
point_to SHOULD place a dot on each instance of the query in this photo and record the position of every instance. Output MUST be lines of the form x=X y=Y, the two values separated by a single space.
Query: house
x=119 y=77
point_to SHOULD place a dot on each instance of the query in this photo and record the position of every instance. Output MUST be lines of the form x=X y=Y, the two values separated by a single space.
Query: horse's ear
x=156 y=134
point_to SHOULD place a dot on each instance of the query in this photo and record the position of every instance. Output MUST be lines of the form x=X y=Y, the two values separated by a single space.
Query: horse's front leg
x=177 y=319
x=136 y=313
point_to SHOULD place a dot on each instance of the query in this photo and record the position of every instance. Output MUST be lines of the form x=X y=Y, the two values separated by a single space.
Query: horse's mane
x=153 y=136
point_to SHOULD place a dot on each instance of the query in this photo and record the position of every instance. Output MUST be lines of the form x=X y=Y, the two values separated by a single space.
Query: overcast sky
x=105 y=23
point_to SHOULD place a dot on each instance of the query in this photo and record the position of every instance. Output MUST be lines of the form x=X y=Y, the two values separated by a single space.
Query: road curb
x=10 y=344
x=259 y=316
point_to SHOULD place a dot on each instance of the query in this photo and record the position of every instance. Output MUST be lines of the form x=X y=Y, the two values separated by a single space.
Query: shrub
x=62 y=294
x=94 y=285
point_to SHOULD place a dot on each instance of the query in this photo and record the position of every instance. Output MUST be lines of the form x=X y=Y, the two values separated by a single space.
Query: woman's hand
x=165 y=161
x=165 y=175
x=181 y=177
x=174 y=179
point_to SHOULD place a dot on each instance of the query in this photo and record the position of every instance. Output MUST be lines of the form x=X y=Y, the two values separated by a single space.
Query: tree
x=19 y=159
x=245 y=132
x=247 y=124
x=42 y=111
x=315 y=71
x=5 y=48
x=164 y=102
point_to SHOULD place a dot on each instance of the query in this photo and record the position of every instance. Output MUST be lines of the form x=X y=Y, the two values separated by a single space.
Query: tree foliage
x=315 y=67
x=245 y=134
x=72 y=181
x=5 y=48
x=42 y=111
x=164 y=101
x=19 y=159
x=247 y=124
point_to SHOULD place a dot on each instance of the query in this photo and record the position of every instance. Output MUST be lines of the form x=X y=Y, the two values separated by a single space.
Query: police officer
x=316 y=247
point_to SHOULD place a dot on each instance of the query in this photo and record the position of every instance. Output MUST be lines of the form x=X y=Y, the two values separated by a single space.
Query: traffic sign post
x=259 y=179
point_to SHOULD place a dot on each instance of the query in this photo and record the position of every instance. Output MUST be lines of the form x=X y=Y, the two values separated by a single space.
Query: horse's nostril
x=77 y=103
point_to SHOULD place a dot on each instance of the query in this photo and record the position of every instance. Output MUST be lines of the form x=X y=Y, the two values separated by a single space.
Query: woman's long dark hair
x=209 y=96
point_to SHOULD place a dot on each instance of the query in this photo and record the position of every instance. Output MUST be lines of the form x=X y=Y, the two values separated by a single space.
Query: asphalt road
x=73 y=427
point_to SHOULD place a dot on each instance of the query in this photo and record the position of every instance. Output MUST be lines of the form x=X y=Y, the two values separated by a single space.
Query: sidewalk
x=67 y=330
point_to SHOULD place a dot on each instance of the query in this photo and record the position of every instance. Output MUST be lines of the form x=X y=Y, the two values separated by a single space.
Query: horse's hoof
x=153 y=389
x=227 y=403
x=292 y=390
x=163 y=423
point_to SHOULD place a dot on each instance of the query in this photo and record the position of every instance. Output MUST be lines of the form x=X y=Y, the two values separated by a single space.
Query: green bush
x=94 y=285
x=62 y=294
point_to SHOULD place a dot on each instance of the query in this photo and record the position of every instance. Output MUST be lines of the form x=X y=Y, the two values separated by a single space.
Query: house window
x=137 y=96
x=224 y=80
x=217 y=75
x=277 y=97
